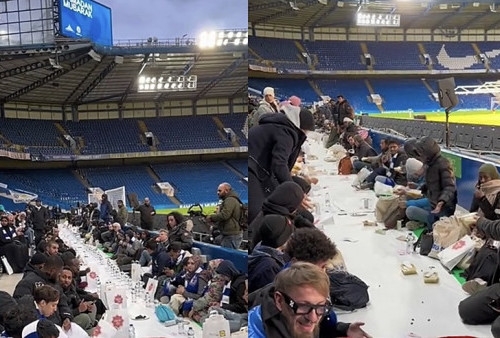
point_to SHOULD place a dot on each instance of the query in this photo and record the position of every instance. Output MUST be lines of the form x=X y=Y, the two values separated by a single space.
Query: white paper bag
x=242 y=333
x=382 y=189
x=7 y=266
x=104 y=330
x=116 y=298
x=151 y=287
x=120 y=321
x=92 y=280
x=452 y=255
x=136 y=272
x=216 y=326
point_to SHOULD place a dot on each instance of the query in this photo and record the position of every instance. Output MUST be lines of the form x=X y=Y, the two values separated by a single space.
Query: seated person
x=440 y=185
x=36 y=262
x=303 y=217
x=177 y=256
x=180 y=230
x=361 y=150
x=376 y=161
x=391 y=172
x=23 y=227
x=267 y=258
x=189 y=285
x=486 y=199
x=51 y=248
x=109 y=237
x=284 y=309
x=128 y=250
x=84 y=312
x=15 y=319
x=13 y=245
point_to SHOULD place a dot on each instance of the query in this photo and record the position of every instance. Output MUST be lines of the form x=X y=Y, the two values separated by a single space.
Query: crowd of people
x=286 y=285
x=52 y=292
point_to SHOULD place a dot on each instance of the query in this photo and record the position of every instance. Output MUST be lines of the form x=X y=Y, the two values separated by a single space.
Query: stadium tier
x=197 y=182
x=284 y=88
x=355 y=91
x=404 y=95
x=119 y=136
x=350 y=55
x=194 y=182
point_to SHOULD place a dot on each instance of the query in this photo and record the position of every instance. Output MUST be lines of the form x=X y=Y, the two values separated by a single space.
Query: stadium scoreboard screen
x=86 y=19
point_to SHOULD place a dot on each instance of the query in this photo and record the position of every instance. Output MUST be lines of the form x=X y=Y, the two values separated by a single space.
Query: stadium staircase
x=61 y=131
x=233 y=169
x=5 y=140
x=144 y=129
x=364 y=49
x=157 y=179
x=422 y=50
x=370 y=89
x=478 y=51
x=222 y=133
x=300 y=55
x=81 y=179
x=254 y=53
x=316 y=88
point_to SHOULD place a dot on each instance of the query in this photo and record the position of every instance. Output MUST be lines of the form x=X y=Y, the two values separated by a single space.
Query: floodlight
x=159 y=85
x=203 y=39
x=191 y=85
x=230 y=35
x=191 y=78
x=167 y=85
x=211 y=39
x=153 y=79
x=142 y=79
x=170 y=79
x=221 y=35
x=141 y=87
x=238 y=35
x=173 y=85
x=245 y=41
x=160 y=79
x=236 y=42
x=225 y=42
x=219 y=42
x=148 y=79
x=180 y=86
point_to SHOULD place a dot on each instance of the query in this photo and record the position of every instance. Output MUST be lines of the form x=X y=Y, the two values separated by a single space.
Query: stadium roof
x=456 y=15
x=65 y=73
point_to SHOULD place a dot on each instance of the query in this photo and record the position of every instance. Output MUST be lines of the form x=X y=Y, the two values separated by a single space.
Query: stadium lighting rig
x=182 y=83
x=377 y=19
x=214 y=39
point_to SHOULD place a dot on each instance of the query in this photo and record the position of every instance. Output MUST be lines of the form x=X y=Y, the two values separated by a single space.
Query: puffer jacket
x=228 y=218
x=440 y=184
x=264 y=108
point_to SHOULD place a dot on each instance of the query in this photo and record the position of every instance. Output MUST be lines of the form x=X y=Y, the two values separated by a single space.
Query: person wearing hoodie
x=303 y=217
x=440 y=185
x=284 y=201
x=298 y=304
x=274 y=146
x=267 y=258
x=361 y=150
x=487 y=194
x=266 y=106
x=228 y=217
x=36 y=262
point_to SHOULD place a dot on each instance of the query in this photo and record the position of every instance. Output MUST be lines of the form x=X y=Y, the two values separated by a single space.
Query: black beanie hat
x=275 y=230
x=38 y=258
x=306 y=120
x=306 y=186
x=288 y=195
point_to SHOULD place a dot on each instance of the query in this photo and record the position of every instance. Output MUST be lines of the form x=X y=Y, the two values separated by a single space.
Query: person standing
x=122 y=214
x=147 y=212
x=105 y=208
x=266 y=106
x=39 y=216
x=228 y=217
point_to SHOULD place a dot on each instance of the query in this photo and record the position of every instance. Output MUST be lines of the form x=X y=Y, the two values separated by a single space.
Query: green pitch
x=481 y=117
x=183 y=211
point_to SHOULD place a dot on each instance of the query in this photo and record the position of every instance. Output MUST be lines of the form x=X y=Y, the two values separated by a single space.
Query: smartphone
x=495 y=304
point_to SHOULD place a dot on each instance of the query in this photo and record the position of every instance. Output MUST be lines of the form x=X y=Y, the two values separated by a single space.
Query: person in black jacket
x=147 y=212
x=440 y=185
x=232 y=295
x=105 y=208
x=487 y=194
x=361 y=149
x=38 y=217
x=48 y=275
x=180 y=230
x=267 y=258
x=284 y=201
x=274 y=146
x=284 y=309
x=12 y=245
x=483 y=307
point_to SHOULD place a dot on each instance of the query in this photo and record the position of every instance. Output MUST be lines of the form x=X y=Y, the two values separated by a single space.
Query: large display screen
x=86 y=19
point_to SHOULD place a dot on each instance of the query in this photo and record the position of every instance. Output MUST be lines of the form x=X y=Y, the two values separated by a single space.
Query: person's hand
x=208 y=218
x=190 y=314
x=66 y=324
x=169 y=272
x=314 y=180
x=94 y=295
x=180 y=290
x=82 y=307
x=87 y=270
x=306 y=203
x=438 y=208
x=364 y=159
x=411 y=185
x=478 y=194
x=90 y=306
x=355 y=331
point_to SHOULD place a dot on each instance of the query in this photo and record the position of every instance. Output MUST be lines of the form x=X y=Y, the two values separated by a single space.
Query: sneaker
x=414 y=225
x=366 y=186
x=475 y=285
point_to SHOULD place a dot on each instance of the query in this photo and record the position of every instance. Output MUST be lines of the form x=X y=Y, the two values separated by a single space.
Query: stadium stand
x=492 y=51
x=240 y=165
x=283 y=53
x=30 y=133
x=236 y=123
x=395 y=55
x=455 y=56
x=197 y=182
x=284 y=88
x=355 y=91
x=340 y=55
x=404 y=94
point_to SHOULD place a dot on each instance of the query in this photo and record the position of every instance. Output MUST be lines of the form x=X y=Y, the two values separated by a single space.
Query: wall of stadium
x=98 y=111
x=373 y=34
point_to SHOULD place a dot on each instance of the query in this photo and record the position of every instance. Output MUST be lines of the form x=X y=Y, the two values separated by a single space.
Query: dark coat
x=275 y=145
x=36 y=278
x=236 y=302
x=275 y=325
x=146 y=217
x=364 y=150
x=399 y=161
x=264 y=263
x=39 y=217
x=343 y=110
x=440 y=182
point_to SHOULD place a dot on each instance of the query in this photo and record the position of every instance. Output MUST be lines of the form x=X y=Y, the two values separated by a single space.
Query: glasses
x=305 y=309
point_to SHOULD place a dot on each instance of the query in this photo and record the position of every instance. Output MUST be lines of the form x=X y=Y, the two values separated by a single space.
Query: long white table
x=399 y=305
x=150 y=327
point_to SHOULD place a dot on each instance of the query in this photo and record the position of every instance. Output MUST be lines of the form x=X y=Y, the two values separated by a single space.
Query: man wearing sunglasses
x=298 y=306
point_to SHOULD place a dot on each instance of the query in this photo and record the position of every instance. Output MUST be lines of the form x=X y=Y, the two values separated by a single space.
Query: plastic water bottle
x=190 y=332
x=328 y=204
x=131 y=331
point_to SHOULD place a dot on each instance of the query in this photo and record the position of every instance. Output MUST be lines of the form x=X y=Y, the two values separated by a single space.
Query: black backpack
x=485 y=265
x=347 y=292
